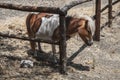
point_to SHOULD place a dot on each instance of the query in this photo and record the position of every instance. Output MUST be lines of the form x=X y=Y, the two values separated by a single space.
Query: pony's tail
x=29 y=31
x=28 y=23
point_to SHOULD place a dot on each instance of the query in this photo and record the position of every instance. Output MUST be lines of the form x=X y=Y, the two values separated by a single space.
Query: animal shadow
x=47 y=59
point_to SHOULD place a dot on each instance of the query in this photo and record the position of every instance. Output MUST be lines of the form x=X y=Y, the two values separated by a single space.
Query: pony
x=46 y=26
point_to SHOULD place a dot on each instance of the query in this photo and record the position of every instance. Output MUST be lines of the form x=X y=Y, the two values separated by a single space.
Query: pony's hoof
x=55 y=61
x=63 y=72
x=35 y=54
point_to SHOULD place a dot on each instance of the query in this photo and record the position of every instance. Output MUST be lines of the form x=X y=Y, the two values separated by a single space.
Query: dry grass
x=101 y=61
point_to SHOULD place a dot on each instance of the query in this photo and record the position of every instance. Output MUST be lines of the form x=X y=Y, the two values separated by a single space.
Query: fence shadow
x=105 y=24
x=78 y=66
x=7 y=47
x=13 y=58
x=77 y=52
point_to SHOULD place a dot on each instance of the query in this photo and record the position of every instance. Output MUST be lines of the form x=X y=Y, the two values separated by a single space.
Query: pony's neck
x=68 y=19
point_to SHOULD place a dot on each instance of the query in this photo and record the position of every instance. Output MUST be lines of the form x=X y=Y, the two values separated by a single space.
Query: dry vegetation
x=101 y=61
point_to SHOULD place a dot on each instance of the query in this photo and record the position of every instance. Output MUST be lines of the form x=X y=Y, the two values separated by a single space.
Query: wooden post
x=30 y=8
x=110 y=13
x=62 y=46
x=97 y=20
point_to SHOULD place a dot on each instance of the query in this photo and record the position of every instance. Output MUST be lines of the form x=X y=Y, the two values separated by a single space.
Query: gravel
x=101 y=61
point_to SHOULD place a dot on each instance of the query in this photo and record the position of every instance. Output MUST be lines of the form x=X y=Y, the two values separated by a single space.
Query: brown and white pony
x=81 y=24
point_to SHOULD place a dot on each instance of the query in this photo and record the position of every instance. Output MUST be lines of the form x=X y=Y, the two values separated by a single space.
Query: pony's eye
x=89 y=31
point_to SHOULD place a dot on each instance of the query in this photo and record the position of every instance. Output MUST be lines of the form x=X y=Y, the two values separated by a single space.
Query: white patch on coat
x=47 y=27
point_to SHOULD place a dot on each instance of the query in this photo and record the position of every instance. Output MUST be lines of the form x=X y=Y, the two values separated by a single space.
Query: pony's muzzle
x=90 y=42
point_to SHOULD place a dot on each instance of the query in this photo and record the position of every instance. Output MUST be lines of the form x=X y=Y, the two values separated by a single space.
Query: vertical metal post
x=109 y=13
x=62 y=46
x=97 y=20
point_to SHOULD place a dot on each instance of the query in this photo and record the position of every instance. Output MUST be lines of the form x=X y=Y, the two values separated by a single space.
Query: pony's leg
x=39 y=47
x=32 y=44
x=54 y=52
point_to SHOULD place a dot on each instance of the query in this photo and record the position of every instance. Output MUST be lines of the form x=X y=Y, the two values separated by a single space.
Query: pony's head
x=85 y=28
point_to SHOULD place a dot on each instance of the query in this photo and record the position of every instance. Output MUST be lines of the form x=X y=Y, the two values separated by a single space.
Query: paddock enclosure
x=12 y=22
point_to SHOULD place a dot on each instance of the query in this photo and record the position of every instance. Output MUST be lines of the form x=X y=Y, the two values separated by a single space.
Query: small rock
x=26 y=64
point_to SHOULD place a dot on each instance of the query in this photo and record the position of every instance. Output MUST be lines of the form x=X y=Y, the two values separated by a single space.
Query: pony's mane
x=91 y=23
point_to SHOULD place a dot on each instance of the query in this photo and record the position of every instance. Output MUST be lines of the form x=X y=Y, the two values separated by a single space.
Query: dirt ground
x=101 y=61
